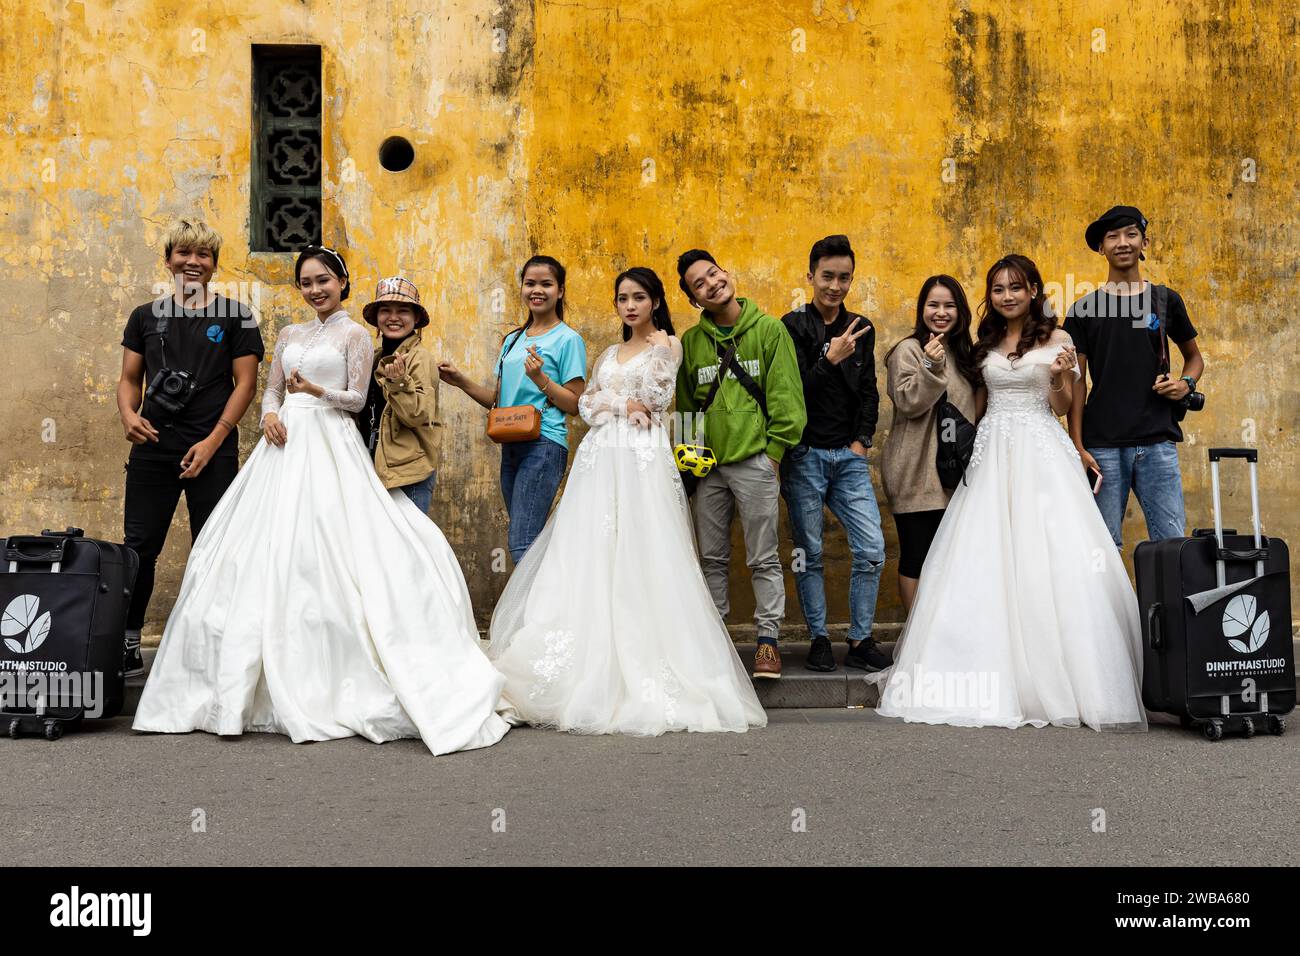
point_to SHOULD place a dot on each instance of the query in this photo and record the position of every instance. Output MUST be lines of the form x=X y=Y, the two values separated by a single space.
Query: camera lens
x=172 y=385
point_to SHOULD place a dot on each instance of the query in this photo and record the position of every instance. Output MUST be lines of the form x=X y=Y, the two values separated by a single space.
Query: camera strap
x=160 y=329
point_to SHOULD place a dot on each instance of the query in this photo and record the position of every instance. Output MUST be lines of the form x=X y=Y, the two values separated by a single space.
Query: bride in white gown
x=607 y=625
x=1025 y=613
x=315 y=603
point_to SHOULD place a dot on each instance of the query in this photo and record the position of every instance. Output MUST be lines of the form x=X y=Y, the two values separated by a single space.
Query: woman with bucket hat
x=399 y=420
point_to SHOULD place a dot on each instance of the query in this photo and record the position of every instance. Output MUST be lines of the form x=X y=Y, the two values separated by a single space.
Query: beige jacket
x=907 y=469
x=409 y=430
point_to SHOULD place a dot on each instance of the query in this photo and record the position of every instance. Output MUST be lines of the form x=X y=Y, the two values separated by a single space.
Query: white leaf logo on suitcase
x=20 y=616
x=1238 y=618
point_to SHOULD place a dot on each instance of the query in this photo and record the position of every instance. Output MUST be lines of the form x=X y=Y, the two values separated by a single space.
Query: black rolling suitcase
x=64 y=600
x=1216 y=623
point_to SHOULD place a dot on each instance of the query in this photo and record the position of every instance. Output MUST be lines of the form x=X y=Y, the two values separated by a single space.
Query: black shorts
x=915 y=532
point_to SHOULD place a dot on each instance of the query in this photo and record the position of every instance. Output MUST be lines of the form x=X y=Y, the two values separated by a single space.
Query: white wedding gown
x=1024 y=613
x=607 y=625
x=315 y=603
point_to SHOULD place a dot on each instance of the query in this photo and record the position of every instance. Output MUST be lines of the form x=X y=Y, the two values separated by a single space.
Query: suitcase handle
x=35 y=549
x=1155 y=630
x=1209 y=532
x=67 y=533
x=1250 y=454
x=1255 y=554
x=1260 y=553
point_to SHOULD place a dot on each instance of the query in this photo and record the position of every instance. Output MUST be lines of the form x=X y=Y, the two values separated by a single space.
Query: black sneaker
x=820 y=657
x=867 y=656
x=132 y=661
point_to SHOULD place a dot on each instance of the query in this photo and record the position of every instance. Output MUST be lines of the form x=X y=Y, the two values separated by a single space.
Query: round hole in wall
x=396 y=154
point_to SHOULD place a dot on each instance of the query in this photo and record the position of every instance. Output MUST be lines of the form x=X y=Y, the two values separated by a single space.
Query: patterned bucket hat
x=397 y=289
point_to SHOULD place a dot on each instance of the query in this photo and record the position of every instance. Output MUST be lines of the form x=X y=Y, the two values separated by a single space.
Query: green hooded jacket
x=734 y=424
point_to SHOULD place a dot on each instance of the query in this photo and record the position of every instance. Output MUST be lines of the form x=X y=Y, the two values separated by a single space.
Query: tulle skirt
x=1024 y=612
x=607 y=625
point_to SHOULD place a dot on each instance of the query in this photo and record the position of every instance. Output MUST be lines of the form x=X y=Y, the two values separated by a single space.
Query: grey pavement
x=872 y=791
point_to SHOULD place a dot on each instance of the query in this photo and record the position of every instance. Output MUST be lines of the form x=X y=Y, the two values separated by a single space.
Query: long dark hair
x=559 y=271
x=654 y=287
x=1038 y=325
x=957 y=338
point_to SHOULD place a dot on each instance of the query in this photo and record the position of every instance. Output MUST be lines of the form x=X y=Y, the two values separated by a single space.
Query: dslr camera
x=1193 y=401
x=171 y=390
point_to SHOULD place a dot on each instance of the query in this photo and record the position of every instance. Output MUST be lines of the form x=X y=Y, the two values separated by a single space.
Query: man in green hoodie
x=749 y=426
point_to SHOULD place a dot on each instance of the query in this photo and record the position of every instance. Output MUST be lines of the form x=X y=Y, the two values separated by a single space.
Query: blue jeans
x=531 y=472
x=1152 y=472
x=421 y=493
x=838 y=479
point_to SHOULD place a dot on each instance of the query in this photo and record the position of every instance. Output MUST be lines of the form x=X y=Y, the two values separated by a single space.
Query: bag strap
x=717 y=379
x=496 y=400
x=742 y=376
x=1161 y=295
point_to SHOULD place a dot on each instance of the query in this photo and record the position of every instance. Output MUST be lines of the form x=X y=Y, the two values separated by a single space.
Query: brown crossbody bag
x=515 y=422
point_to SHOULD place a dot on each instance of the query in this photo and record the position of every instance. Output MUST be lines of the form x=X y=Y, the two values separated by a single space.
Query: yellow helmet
x=697 y=459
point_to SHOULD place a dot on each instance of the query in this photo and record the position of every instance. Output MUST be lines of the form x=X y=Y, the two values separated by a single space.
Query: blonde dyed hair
x=196 y=235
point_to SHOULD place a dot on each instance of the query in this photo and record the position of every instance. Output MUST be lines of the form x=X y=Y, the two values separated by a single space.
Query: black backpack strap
x=745 y=379
x=717 y=379
x=1161 y=296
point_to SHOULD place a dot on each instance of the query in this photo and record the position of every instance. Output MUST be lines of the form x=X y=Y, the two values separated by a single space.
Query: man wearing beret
x=1127 y=427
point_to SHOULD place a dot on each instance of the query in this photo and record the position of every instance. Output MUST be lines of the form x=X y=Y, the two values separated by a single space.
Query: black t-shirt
x=1119 y=336
x=203 y=342
x=372 y=412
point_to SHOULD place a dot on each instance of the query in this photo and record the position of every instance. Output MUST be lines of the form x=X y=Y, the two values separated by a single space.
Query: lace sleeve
x=597 y=404
x=661 y=375
x=360 y=356
x=273 y=394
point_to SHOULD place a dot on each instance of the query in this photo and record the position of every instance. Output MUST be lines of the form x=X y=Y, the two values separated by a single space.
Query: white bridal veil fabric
x=1025 y=613
x=315 y=603
x=607 y=625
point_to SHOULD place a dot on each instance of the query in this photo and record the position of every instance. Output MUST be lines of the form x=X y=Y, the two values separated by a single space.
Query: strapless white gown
x=1024 y=613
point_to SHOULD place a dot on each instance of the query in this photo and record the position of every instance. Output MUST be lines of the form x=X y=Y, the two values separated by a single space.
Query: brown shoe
x=767 y=661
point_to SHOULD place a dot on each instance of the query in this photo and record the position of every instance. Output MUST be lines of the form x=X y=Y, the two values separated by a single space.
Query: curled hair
x=1038 y=324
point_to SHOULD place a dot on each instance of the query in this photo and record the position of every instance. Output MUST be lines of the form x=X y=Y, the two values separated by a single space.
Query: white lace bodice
x=649 y=376
x=1021 y=383
x=336 y=354
x=1019 y=402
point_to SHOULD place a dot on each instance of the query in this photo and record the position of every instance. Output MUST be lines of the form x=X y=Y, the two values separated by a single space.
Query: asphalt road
x=870 y=791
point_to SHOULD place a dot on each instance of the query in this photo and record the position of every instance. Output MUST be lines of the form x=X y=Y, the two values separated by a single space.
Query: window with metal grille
x=285 y=192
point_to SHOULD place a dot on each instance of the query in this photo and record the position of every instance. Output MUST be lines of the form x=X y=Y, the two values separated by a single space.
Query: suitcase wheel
x=15 y=728
x=1247 y=727
x=53 y=730
x=1213 y=729
x=1276 y=725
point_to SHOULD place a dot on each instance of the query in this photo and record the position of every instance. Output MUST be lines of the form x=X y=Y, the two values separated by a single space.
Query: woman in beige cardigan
x=934 y=359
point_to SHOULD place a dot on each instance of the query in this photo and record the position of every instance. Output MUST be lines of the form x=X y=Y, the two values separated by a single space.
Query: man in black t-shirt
x=193 y=449
x=828 y=468
x=1126 y=428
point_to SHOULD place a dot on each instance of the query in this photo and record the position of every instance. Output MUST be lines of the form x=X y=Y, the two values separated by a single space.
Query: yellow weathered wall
x=620 y=134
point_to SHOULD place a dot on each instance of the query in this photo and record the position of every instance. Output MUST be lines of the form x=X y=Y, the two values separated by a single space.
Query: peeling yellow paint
x=619 y=134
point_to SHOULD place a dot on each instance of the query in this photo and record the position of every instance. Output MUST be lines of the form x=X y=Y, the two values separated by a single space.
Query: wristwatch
x=1191 y=384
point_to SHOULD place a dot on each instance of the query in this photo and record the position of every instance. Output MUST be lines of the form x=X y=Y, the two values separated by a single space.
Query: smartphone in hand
x=1094 y=478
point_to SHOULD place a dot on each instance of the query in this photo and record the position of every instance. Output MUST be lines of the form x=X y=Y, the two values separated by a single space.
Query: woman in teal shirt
x=542 y=363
